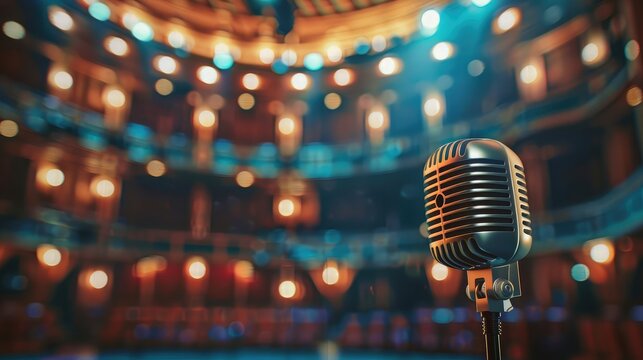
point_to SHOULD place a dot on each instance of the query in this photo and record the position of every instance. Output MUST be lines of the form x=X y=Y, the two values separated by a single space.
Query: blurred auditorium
x=242 y=179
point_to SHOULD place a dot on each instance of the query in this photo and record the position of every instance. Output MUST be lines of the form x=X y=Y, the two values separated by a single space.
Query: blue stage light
x=99 y=11
x=580 y=272
x=279 y=67
x=480 y=3
x=362 y=47
x=142 y=31
x=223 y=61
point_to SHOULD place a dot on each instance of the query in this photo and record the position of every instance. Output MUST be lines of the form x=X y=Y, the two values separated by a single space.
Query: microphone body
x=478 y=220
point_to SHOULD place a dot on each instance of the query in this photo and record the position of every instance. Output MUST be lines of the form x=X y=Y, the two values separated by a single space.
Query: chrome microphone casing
x=478 y=218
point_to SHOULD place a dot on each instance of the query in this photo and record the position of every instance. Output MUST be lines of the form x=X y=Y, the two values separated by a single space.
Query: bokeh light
x=116 y=46
x=430 y=20
x=580 y=272
x=332 y=101
x=286 y=207
x=207 y=75
x=289 y=57
x=475 y=68
x=439 y=272
x=62 y=79
x=165 y=64
x=54 y=177
x=244 y=270
x=507 y=20
x=343 y=77
x=250 y=81
x=480 y=3
x=98 y=279
x=375 y=120
x=634 y=96
x=287 y=289
x=442 y=51
x=246 y=101
x=143 y=31
x=8 y=128
x=114 y=97
x=432 y=106
x=286 y=126
x=266 y=55
x=245 y=179
x=13 y=30
x=177 y=39
x=299 y=81
x=330 y=274
x=155 y=168
x=103 y=187
x=529 y=74
x=60 y=18
x=48 y=255
x=313 y=61
x=334 y=53
x=196 y=268
x=99 y=11
x=389 y=66
x=163 y=87
x=632 y=50
x=206 y=118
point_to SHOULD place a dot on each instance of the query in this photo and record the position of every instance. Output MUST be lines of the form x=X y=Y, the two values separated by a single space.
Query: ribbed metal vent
x=523 y=200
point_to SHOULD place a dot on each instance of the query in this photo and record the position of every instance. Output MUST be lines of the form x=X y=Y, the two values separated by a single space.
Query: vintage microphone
x=478 y=220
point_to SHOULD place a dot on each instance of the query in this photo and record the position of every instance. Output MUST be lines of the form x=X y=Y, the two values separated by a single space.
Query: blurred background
x=243 y=178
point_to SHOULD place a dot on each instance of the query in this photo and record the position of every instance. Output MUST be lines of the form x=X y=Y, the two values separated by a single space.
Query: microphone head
x=476 y=205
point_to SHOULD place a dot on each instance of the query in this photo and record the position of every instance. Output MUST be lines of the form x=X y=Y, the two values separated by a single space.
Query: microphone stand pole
x=492 y=290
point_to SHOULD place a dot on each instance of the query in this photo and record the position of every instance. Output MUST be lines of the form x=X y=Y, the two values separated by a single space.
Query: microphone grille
x=475 y=204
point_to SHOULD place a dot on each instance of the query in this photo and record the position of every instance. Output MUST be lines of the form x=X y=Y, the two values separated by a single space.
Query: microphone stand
x=492 y=290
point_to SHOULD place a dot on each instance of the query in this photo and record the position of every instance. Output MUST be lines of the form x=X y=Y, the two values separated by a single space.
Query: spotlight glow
x=99 y=11
x=507 y=20
x=223 y=61
x=343 y=77
x=299 y=81
x=439 y=272
x=313 y=61
x=244 y=270
x=54 y=177
x=207 y=75
x=60 y=18
x=245 y=178
x=116 y=46
x=286 y=207
x=334 y=53
x=389 y=66
x=287 y=289
x=442 y=51
x=250 y=81
x=529 y=74
x=432 y=107
x=206 y=118
x=98 y=279
x=266 y=55
x=375 y=120
x=13 y=30
x=105 y=188
x=600 y=253
x=196 y=268
x=155 y=168
x=8 y=128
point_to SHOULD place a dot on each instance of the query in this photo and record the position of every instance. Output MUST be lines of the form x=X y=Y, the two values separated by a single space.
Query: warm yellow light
x=595 y=50
x=334 y=53
x=60 y=18
x=54 y=177
x=286 y=207
x=164 y=87
x=507 y=20
x=343 y=77
x=98 y=279
x=299 y=81
x=286 y=126
x=8 y=128
x=442 y=51
x=634 y=96
x=48 y=255
x=244 y=270
x=287 y=289
x=632 y=50
x=529 y=74
x=432 y=106
x=114 y=97
x=250 y=81
x=245 y=178
x=246 y=101
x=150 y=265
x=155 y=168
x=221 y=48
x=389 y=66
x=103 y=187
x=378 y=43
x=206 y=118
x=600 y=253
x=375 y=120
x=116 y=46
x=196 y=268
x=330 y=274
x=332 y=101
x=165 y=64
x=439 y=272
x=266 y=55
x=207 y=75
x=129 y=20
x=62 y=79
